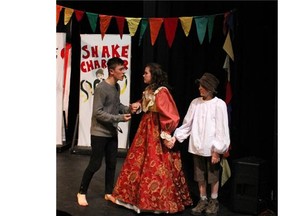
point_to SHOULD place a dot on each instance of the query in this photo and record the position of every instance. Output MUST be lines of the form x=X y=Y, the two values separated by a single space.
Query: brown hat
x=209 y=82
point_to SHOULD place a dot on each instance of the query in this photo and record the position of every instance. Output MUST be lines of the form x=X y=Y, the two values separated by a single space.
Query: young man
x=107 y=113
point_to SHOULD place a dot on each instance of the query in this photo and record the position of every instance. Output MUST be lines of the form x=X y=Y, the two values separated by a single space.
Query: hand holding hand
x=168 y=144
x=127 y=117
x=134 y=107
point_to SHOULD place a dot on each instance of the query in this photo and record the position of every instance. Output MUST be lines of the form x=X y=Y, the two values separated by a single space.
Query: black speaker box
x=250 y=190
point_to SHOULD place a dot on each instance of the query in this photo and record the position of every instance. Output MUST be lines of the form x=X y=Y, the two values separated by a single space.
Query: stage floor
x=70 y=168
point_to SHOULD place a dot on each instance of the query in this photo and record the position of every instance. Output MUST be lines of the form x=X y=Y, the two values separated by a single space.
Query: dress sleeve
x=168 y=113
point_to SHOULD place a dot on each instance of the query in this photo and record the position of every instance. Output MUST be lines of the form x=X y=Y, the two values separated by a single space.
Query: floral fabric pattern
x=151 y=178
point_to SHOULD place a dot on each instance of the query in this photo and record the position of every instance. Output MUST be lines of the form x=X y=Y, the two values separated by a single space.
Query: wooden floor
x=70 y=168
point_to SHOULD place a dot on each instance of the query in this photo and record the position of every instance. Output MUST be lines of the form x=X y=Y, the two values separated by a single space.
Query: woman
x=151 y=178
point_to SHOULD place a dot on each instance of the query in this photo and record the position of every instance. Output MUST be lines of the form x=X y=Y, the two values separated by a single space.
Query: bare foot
x=82 y=199
x=110 y=198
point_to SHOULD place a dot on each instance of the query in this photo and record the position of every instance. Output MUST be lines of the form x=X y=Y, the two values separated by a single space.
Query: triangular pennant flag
x=228 y=92
x=170 y=25
x=68 y=12
x=79 y=15
x=58 y=10
x=228 y=46
x=92 y=17
x=226 y=171
x=201 y=26
x=230 y=23
x=120 y=23
x=226 y=67
x=186 y=23
x=225 y=21
x=155 y=25
x=104 y=24
x=133 y=24
x=144 y=24
x=211 y=19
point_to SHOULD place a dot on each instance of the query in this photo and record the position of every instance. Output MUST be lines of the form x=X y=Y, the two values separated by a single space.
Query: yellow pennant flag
x=68 y=12
x=133 y=24
x=228 y=46
x=226 y=172
x=186 y=23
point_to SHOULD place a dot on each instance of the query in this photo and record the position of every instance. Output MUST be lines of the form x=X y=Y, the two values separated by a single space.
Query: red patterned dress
x=151 y=178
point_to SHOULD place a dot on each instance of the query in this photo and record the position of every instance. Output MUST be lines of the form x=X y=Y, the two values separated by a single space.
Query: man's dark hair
x=113 y=62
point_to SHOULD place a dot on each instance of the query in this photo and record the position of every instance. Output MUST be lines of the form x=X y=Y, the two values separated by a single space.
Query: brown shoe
x=213 y=207
x=201 y=206
x=109 y=197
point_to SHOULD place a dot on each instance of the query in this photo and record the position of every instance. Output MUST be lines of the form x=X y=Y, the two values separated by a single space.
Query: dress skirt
x=151 y=178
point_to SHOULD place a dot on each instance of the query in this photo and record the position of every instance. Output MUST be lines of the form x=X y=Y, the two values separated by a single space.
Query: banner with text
x=95 y=53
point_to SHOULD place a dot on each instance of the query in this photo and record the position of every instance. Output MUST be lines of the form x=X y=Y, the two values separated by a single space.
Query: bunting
x=58 y=10
x=67 y=15
x=144 y=24
x=92 y=20
x=155 y=25
x=201 y=24
x=79 y=15
x=228 y=97
x=120 y=23
x=186 y=23
x=170 y=25
x=104 y=24
x=226 y=67
x=210 y=26
x=133 y=25
x=228 y=46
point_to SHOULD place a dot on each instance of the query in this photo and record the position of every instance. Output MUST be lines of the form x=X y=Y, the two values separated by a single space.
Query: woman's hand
x=170 y=143
x=134 y=107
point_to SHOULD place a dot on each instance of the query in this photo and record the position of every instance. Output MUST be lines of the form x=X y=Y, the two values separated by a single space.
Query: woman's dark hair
x=158 y=76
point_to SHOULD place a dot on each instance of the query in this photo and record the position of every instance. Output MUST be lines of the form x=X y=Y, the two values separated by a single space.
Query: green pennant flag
x=201 y=26
x=92 y=17
x=144 y=24
x=210 y=26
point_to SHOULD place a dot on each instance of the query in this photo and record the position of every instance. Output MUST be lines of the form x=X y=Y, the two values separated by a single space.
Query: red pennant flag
x=58 y=10
x=120 y=24
x=170 y=25
x=79 y=15
x=104 y=24
x=155 y=25
x=228 y=92
x=225 y=22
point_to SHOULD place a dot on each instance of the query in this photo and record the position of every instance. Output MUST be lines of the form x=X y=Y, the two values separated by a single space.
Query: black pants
x=101 y=146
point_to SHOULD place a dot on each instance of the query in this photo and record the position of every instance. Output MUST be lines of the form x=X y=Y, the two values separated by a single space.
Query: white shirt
x=206 y=122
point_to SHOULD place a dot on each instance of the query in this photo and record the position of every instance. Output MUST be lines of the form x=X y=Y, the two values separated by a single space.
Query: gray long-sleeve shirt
x=107 y=110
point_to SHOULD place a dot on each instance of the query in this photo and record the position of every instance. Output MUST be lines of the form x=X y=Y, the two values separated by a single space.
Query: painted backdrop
x=95 y=53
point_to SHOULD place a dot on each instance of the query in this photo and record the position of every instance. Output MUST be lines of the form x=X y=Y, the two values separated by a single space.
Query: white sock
x=214 y=195
x=203 y=197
